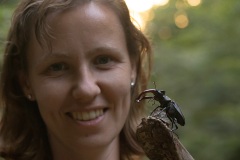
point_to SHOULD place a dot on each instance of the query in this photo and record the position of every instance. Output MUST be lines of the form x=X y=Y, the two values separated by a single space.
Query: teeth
x=86 y=116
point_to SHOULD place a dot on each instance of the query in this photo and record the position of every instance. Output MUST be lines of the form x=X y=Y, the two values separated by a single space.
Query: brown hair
x=23 y=134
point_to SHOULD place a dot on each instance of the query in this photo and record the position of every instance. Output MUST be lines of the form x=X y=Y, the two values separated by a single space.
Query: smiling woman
x=70 y=75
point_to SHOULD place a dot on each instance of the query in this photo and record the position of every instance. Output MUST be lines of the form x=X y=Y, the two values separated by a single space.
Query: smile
x=87 y=115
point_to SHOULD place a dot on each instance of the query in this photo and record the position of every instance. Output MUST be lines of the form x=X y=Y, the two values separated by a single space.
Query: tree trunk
x=159 y=142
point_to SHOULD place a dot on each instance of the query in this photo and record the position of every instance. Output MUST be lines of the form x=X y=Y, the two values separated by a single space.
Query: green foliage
x=6 y=10
x=199 y=67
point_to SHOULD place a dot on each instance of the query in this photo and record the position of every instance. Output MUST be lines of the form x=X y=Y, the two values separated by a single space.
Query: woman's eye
x=58 y=67
x=102 y=60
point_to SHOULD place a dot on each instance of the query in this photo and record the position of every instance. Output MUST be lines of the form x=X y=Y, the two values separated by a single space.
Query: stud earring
x=29 y=96
x=132 y=84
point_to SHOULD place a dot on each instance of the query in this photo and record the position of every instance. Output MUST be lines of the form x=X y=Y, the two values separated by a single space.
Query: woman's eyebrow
x=52 y=55
x=104 y=50
x=56 y=55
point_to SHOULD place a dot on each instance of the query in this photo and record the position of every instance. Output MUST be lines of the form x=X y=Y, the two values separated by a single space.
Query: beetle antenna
x=153 y=103
x=154 y=85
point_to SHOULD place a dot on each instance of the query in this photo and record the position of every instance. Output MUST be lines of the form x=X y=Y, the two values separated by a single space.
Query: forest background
x=199 y=67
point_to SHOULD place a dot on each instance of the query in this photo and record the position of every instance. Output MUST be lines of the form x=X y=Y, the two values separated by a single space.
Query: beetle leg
x=174 y=125
x=154 y=110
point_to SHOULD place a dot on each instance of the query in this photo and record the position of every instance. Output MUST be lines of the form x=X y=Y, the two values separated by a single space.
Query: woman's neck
x=107 y=152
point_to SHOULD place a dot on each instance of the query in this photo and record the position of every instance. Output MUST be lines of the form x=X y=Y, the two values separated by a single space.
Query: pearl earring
x=132 y=84
x=29 y=96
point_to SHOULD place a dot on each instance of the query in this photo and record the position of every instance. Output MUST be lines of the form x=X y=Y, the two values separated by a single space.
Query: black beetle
x=171 y=108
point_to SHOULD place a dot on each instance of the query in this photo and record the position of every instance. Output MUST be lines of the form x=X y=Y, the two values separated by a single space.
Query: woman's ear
x=25 y=85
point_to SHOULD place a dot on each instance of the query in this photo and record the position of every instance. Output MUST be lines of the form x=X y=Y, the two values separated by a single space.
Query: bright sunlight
x=139 y=10
x=138 y=7
x=144 y=5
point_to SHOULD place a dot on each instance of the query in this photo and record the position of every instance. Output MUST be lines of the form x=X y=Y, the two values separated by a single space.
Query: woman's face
x=82 y=87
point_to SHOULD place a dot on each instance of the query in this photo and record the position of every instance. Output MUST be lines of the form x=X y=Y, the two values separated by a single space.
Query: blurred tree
x=199 y=66
x=8 y=2
x=6 y=9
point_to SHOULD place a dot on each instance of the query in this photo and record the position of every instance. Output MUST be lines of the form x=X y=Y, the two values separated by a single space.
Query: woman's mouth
x=87 y=115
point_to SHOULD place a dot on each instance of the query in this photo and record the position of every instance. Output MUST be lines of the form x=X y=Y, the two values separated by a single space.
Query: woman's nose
x=85 y=87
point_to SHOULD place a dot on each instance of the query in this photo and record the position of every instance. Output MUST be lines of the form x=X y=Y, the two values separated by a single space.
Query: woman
x=71 y=72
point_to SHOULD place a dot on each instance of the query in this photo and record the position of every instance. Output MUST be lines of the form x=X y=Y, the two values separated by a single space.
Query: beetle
x=171 y=108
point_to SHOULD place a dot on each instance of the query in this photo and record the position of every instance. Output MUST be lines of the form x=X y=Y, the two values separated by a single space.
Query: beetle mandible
x=171 y=108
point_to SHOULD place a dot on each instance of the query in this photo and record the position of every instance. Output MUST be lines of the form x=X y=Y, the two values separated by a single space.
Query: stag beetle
x=171 y=108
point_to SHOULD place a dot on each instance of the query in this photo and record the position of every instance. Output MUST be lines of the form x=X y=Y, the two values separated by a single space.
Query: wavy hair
x=23 y=134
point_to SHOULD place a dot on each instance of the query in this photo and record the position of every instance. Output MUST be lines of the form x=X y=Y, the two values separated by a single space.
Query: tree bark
x=159 y=142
